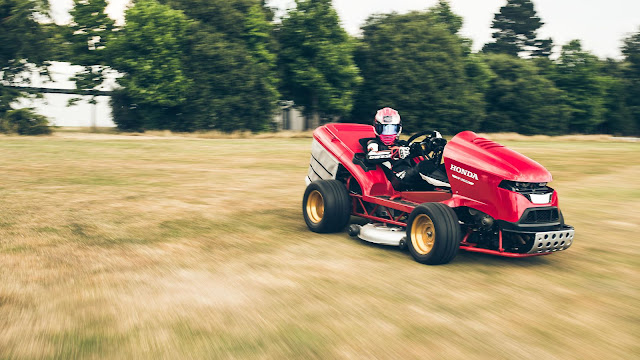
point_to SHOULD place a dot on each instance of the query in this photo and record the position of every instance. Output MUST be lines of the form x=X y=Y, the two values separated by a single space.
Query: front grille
x=541 y=216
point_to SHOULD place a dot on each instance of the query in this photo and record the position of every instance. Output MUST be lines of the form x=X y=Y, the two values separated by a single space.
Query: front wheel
x=433 y=234
x=326 y=206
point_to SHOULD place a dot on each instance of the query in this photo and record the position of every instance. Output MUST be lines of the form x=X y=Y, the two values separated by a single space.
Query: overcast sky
x=600 y=24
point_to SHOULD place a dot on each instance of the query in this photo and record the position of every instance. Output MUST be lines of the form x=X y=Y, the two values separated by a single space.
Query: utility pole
x=94 y=115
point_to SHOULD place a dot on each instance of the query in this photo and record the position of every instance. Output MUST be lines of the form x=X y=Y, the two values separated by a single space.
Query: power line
x=59 y=91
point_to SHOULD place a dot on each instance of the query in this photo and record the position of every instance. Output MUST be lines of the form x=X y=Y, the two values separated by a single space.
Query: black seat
x=440 y=174
x=437 y=177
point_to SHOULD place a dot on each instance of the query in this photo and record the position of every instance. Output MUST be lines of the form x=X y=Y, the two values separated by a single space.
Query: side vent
x=485 y=143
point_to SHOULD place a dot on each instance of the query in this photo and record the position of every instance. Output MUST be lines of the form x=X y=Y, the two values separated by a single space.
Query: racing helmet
x=387 y=125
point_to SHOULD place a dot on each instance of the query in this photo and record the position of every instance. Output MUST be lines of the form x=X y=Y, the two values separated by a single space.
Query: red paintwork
x=492 y=163
x=341 y=140
x=420 y=197
x=489 y=161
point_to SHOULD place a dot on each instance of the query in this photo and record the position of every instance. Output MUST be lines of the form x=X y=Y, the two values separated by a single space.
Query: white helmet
x=387 y=125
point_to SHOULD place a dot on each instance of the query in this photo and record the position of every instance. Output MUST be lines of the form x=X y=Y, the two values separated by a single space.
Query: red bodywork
x=475 y=167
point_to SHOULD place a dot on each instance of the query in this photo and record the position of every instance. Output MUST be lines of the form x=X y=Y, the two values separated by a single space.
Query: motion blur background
x=178 y=233
x=542 y=67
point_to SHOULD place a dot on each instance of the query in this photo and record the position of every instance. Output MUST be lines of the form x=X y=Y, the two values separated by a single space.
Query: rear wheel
x=326 y=206
x=433 y=234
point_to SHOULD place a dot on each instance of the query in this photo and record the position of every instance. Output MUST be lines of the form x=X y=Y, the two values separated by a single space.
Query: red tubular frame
x=406 y=210
x=496 y=252
x=360 y=200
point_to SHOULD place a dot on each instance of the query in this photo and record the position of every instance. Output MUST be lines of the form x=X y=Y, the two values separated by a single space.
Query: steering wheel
x=429 y=144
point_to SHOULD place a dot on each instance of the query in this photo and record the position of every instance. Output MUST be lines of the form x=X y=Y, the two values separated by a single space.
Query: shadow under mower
x=493 y=201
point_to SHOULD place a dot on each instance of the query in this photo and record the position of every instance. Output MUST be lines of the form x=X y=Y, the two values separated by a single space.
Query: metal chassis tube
x=405 y=210
x=361 y=200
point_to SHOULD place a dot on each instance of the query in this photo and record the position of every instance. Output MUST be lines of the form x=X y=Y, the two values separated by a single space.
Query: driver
x=387 y=149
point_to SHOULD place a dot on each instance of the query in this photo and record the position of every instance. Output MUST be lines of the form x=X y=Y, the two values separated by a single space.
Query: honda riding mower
x=488 y=199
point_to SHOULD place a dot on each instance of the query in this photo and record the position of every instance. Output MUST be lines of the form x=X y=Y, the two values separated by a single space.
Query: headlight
x=532 y=191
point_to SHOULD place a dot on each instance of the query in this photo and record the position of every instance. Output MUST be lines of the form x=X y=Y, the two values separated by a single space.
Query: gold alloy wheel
x=423 y=234
x=315 y=206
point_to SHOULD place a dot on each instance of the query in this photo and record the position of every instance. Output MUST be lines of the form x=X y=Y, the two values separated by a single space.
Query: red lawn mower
x=494 y=200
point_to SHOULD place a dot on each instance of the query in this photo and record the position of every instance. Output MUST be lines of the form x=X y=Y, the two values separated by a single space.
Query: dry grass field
x=172 y=247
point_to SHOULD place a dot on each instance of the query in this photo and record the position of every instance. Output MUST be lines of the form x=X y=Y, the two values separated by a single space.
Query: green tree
x=516 y=25
x=87 y=36
x=316 y=61
x=631 y=52
x=519 y=99
x=192 y=65
x=232 y=64
x=24 y=122
x=543 y=48
x=617 y=119
x=443 y=14
x=478 y=73
x=417 y=65
x=577 y=72
x=150 y=52
x=23 y=46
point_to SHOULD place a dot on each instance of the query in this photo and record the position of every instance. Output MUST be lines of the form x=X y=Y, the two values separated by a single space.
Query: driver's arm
x=377 y=156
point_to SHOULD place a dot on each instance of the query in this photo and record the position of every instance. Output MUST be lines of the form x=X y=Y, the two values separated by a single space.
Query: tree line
x=224 y=65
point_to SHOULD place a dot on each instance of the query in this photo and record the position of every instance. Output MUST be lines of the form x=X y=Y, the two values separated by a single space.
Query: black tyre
x=326 y=206
x=433 y=234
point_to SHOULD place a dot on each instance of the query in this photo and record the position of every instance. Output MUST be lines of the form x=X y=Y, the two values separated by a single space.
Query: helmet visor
x=388 y=129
